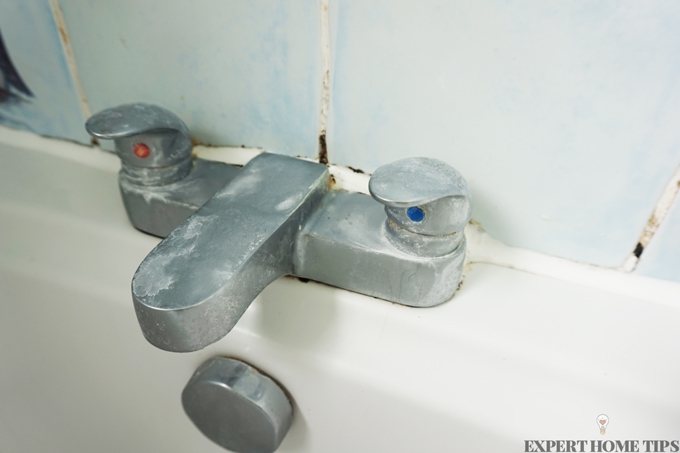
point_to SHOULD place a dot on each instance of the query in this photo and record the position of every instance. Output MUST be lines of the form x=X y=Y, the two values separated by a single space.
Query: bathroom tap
x=277 y=216
x=161 y=183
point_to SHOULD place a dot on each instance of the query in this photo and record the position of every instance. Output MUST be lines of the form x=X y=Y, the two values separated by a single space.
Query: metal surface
x=427 y=204
x=160 y=209
x=237 y=407
x=194 y=286
x=162 y=189
x=345 y=244
x=128 y=125
x=439 y=190
x=276 y=216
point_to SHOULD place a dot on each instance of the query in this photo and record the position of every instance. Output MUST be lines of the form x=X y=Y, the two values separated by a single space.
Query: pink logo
x=602 y=422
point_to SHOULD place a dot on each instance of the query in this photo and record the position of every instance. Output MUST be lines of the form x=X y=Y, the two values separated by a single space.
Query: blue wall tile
x=32 y=40
x=563 y=116
x=238 y=72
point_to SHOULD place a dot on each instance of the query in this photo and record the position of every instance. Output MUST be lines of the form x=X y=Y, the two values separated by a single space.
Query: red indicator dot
x=141 y=150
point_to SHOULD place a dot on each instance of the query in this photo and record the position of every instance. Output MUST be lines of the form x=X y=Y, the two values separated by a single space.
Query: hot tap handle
x=423 y=195
x=145 y=135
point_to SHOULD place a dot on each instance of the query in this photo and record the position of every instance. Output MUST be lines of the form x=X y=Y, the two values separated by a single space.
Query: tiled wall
x=32 y=40
x=238 y=72
x=562 y=115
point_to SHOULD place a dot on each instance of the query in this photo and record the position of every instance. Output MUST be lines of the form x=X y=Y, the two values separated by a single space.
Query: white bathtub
x=514 y=356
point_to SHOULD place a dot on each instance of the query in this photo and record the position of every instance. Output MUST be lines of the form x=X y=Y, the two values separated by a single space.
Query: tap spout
x=196 y=284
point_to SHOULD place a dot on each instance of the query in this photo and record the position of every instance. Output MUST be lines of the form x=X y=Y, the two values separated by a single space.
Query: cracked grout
x=70 y=57
x=663 y=206
x=325 y=79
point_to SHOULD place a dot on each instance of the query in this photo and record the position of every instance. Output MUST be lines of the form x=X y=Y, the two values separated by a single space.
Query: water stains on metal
x=232 y=231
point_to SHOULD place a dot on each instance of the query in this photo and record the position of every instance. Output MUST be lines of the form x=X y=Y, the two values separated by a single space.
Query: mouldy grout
x=325 y=79
x=663 y=206
x=70 y=57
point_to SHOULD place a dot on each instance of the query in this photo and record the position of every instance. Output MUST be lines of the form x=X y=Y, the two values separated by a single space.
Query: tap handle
x=145 y=135
x=423 y=195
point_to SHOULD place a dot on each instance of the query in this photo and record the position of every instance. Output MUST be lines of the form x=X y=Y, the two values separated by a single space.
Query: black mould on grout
x=323 y=150
x=638 y=250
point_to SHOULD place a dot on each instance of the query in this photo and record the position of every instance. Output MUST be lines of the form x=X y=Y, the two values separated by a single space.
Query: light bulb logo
x=602 y=422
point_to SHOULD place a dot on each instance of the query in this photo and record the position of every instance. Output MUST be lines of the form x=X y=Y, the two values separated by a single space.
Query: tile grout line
x=660 y=211
x=325 y=81
x=70 y=57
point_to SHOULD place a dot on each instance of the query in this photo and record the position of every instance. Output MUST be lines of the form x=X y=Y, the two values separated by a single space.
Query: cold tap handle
x=423 y=195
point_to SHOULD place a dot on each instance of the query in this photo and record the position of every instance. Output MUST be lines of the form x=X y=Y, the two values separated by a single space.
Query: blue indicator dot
x=415 y=213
